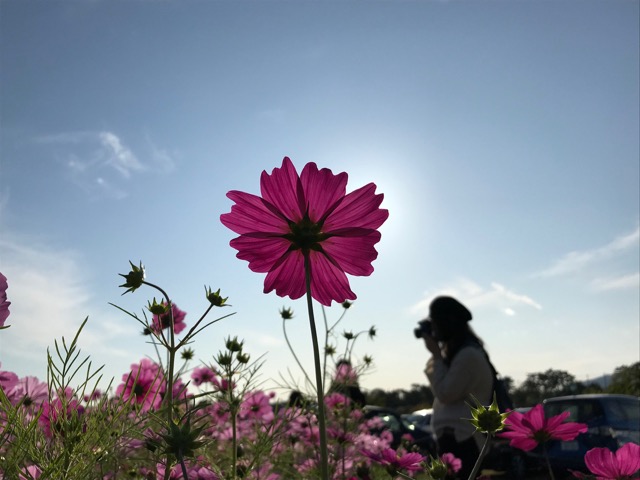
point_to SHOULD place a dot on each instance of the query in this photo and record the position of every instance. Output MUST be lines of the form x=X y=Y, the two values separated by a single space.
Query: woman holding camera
x=457 y=370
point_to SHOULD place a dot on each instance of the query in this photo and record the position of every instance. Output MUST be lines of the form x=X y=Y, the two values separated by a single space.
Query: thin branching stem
x=324 y=462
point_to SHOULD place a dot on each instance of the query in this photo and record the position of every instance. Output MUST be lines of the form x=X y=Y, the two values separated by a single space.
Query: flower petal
x=358 y=209
x=283 y=189
x=287 y=277
x=601 y=461
x=353 y=254
x=328 y=282
x=322 y=189
x=261 y=253
x=568 y=431
x=628 y=458
x=252 y=214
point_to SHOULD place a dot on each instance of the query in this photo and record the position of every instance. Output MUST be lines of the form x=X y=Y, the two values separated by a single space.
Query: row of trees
x=535 y=388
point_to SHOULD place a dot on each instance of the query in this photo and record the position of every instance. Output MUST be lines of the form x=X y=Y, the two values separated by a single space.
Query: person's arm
x=451 y=384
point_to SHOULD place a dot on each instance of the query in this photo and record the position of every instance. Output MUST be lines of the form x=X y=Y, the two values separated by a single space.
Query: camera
x=424 y=329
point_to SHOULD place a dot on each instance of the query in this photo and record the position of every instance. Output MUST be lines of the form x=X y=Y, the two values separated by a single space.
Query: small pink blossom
x=620 y=465
x=62 y=408
x=307 y=216
x=4 y=303
x=160 y=322
x=32 y=471
x=255 y=406
x=527 y=430
x=29 y=391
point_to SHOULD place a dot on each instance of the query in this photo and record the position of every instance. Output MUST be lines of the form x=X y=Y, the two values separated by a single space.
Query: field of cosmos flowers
x=165 y=419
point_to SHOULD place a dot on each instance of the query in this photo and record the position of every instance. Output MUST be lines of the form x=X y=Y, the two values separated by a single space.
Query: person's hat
x=443 y=308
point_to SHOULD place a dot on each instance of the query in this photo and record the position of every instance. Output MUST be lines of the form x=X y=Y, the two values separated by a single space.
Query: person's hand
x=432 y=345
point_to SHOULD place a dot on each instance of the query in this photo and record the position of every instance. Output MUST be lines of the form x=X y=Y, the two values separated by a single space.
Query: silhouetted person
x=458 y=368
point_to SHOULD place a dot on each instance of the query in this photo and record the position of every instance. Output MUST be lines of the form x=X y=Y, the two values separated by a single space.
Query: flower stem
x=546 y=458
x=483 y=453
x=324 y=462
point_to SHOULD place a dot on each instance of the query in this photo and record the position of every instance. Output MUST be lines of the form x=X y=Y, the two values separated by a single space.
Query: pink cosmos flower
x=307 y=214
x=160 y=322
x=453 y=463
x=30 y=391
x=64 y=407
x=144 y=383
x=4 y=303
x=255 y=406
x=202 y=375
x=527 y=430
x=606 y=465
x=410 y=462
x=32 y=472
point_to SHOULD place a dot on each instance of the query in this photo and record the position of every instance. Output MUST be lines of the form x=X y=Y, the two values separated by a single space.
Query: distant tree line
x=535 y=388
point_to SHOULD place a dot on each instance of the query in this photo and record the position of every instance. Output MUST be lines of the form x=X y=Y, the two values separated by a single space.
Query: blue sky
x=504 y=136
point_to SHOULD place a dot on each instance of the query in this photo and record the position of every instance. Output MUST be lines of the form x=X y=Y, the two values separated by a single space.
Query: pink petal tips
x=307 y=215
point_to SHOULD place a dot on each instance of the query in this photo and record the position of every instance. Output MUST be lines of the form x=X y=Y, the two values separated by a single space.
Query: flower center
x=306 y=235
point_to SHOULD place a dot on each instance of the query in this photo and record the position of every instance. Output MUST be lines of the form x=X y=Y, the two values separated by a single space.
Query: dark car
x=391 y=420
x=612 y=421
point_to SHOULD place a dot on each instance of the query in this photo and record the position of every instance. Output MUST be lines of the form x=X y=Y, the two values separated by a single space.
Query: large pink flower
x=527 y=430
x=609 y=466
x=307 y=214
x=4 y=303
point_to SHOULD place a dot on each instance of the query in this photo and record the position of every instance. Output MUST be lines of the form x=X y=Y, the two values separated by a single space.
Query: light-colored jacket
x=452 y=386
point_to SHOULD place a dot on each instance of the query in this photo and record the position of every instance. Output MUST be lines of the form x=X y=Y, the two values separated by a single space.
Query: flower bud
x=233 y=345
x=134 y=279
x=286 y=313
x=157 y=308
x=215 y=298
x=488 y=420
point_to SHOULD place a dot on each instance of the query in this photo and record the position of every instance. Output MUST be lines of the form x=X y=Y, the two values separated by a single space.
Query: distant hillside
x=604 y=381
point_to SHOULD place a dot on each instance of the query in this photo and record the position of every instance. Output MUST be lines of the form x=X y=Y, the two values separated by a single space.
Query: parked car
x=612 y=421
x=391 y=420
x=418 y=420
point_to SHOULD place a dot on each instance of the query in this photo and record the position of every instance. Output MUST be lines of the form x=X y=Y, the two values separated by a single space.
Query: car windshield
x=624 y=413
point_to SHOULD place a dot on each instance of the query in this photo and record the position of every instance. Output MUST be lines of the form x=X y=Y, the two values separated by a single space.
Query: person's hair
x=462 y=337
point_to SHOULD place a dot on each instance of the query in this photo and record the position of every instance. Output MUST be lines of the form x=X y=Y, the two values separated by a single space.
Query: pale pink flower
x=8 y=380
x=527 y=430
x=4 y=303
x=307 y=214
x=32 y=472
x=255 y=406
x=160 y=322
x=620 y=465
x=30 y=391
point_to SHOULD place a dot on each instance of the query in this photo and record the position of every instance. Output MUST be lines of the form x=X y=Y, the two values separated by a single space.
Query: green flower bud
x=330 y=350
x=224 y=359
x=215 y=298
x=346 y=304
x=134 y=279
x=243 y=357
x=437 y=470
x=286 y=313
x=367 y=360
x=187 y=354
x=488 y=420
x=348 y=335
x=157 y=308
x=182 y=440
x=372 y=331
x=233 y=345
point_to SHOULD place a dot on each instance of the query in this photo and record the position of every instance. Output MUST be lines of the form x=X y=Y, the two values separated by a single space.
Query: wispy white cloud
x=101 y=163
x=622 y=282
x=494 y=297
x=50 y=297
x=578 y=260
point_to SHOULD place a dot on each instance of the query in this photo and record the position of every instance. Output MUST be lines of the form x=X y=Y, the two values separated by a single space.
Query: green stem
x=546 y=458
x=483 y=453
x=324 y=461
x=286 y=338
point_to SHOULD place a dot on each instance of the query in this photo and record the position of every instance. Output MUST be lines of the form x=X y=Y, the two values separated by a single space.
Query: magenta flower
x=63 y=408
x=307 y=215
x=160 y=322
x=453 y=463
x=4 y=303
x=389 y=458
x=202 y=375
x=527 y=430
x=144 y=383
x=606 y=465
